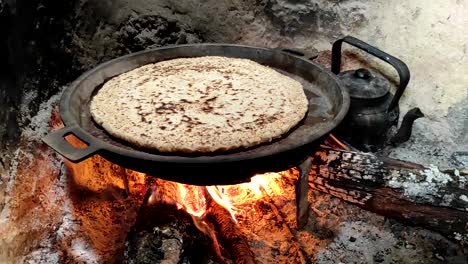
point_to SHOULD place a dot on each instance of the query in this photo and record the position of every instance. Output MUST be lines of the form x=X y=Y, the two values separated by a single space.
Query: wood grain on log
x=397 y=189
x=297 y=255
x=228 y=235
x=163 y=233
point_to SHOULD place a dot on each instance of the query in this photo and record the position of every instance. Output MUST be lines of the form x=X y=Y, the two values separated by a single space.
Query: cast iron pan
x=328 y=104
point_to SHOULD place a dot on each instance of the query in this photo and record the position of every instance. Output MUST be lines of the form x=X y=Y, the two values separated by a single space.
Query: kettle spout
x=404 y=133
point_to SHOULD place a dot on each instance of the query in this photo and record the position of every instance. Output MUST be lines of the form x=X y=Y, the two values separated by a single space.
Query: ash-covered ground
x=441 y=142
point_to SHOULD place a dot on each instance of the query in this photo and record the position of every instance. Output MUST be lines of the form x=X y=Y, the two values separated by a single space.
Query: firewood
x=165 y=234
x=297 y=255
x=228 y=235
x=405 y=191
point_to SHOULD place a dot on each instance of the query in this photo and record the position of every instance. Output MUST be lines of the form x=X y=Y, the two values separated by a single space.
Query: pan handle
x=56 y=140
x=309 y=55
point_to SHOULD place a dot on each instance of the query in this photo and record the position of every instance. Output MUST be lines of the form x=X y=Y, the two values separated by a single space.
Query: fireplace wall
x=428 y=36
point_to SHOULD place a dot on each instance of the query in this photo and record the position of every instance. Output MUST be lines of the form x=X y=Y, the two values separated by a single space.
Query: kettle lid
x=365 y=84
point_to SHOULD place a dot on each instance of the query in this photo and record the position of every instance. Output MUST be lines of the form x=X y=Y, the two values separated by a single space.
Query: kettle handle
x=399 y=66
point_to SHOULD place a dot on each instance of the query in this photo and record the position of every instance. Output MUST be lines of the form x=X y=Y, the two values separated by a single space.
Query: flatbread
x=202 y=104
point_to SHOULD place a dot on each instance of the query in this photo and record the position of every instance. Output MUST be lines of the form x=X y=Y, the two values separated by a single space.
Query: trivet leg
x=302 y=191
x=125 y=181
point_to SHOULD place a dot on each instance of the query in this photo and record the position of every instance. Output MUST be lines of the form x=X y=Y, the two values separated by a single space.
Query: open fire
x=91 y=219
x=218 y=212
x=232 y=218
x=193 y=199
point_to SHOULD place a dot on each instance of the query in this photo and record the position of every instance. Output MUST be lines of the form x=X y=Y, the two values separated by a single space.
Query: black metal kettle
x=374 y=108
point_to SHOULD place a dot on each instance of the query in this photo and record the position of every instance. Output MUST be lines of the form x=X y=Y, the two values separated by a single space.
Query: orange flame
x=192 y=198
x=220 y=198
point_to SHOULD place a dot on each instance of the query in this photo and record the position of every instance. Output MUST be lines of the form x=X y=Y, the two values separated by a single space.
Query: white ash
x=447 y=199
x=10 y=176
x=43 y=255
x=463 y=238
x=369 y=241
x=435 y=139
x=461 y=179
x=424 y=188
x=464 y=198
x=26 y=100
x=37 y=128
x=39 y=125
x=83 y=251
x=68 y=225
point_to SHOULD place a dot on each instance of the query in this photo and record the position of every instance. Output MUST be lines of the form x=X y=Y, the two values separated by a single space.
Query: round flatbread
x=202 y=104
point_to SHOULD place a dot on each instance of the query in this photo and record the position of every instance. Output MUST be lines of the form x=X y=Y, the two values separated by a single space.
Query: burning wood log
x=228 y=235
x=297 y=255
x=196 y=231
x=164 y=233
x=412 y=193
